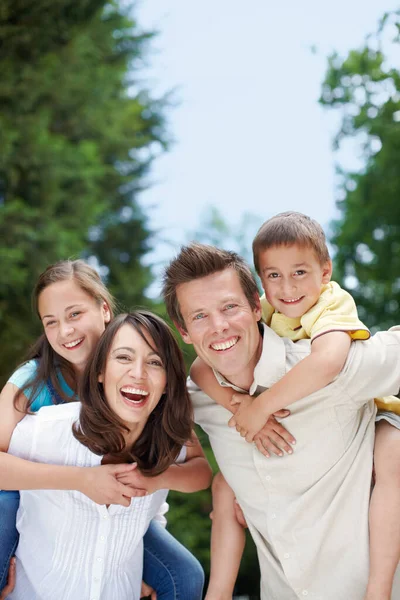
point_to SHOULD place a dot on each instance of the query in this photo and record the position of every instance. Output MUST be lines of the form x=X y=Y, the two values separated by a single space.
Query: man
x=308 y=512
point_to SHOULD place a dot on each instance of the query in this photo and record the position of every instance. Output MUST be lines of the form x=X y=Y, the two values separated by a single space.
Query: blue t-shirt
x=45 y=396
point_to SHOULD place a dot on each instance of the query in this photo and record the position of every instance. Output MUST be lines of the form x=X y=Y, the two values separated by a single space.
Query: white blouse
x=70 y=547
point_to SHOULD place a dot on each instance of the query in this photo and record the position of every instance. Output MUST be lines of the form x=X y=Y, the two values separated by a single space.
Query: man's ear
x=257 y=310
x=183 y=333
x=327 y=271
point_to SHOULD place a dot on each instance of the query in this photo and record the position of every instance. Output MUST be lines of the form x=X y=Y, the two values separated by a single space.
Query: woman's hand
x=10 y=581
x=101 y=484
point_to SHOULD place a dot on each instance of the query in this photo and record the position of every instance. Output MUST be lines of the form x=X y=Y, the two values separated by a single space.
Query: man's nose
x=219 y=322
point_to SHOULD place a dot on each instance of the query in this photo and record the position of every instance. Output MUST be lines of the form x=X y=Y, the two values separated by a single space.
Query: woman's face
x=73 y=321
x=134 y=379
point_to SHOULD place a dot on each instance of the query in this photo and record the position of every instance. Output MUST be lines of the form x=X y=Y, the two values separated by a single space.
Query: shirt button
x=273 y=516
x=105 y=516
x=305 y=593
x=287 y=555
x=99 y=559
x=268 y=478
x=102 y=538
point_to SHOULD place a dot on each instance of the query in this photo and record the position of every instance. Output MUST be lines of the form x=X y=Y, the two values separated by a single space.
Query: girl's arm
x=328 y=356
x=100 y=484
x=191 y=476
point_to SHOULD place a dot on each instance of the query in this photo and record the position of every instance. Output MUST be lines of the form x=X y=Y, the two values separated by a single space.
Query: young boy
x=292 y=260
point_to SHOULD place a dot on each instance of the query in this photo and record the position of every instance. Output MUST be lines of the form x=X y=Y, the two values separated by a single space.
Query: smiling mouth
x=227 y=345
x=74 y=344
x=134 y=395
x=291 y=300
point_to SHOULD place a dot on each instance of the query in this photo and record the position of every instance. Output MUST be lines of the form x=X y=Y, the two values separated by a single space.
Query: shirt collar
x=271 y=366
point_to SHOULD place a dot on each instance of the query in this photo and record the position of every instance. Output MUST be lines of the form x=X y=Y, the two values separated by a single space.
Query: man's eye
x=199 y=316
x=230 y=306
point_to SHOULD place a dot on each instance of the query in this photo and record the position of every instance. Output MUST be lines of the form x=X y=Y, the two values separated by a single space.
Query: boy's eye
x=300 y=272
x=273 y=275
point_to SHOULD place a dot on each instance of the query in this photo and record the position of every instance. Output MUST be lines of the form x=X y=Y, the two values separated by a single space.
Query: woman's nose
x=138 y=370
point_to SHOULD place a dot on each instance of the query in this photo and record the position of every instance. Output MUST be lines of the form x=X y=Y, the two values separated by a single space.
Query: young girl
x=135 y=409
x=74 y=307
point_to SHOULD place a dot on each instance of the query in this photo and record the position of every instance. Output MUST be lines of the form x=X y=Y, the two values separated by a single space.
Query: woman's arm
x=100 y=484
x=191 y=476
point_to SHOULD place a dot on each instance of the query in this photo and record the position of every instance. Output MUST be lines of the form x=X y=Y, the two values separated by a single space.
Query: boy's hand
x=249 y=419
x=274 y=438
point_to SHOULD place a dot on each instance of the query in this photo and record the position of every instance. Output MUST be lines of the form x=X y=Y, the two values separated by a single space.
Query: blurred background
x=128 y=129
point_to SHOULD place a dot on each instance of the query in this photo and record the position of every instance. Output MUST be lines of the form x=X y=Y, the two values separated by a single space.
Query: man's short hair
x=286 y=229
x=199 y=260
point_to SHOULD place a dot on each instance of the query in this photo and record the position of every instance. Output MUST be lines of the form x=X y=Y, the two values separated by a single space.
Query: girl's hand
x=10 y=581
x=146 y=592
x=101 y=484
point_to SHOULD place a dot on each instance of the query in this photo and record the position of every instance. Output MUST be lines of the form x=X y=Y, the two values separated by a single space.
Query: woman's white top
x=70 y=547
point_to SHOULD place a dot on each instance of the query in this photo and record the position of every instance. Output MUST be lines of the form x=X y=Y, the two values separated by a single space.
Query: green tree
x=365 y=86
x=77 y=134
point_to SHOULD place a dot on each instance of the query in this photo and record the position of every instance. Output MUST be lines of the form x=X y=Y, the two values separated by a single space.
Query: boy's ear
x=327 y=272
x=183 y=333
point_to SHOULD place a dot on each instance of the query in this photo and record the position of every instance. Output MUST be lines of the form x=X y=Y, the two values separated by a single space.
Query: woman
x=134 y=408
x=74 y=307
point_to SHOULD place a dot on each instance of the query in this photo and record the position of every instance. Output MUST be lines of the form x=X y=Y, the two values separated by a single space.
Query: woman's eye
x=156 y=363
x=123 y=357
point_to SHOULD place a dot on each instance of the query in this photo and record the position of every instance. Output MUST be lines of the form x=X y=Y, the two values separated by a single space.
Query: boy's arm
x=272 y=438
x=204 y=377
x=327 y=358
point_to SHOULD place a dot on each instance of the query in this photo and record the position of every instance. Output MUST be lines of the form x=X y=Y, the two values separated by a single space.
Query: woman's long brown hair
x=169 y=426
x=49 y=363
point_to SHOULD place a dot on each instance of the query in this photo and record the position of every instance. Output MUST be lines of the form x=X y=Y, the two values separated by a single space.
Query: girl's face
x=134 y=379
x=73 y=321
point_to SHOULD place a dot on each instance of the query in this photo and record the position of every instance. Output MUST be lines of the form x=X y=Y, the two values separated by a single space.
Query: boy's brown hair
x=200 y=260
x=286 y=229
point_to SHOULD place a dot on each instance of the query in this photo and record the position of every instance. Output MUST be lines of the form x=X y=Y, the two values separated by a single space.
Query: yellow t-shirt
x=335 y=310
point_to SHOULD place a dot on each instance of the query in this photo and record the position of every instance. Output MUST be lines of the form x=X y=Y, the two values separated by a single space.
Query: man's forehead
x=212 y=289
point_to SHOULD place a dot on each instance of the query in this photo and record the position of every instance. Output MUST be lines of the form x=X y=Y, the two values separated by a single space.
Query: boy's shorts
x=390 y=417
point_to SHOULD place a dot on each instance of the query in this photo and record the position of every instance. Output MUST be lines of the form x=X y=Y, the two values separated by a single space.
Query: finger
x=261 y=448
x=232 y=422
x=243 y=432
x=139 y=493
x=270 y=445
x=285 y=436
x=122 y=468
x=279 y=442
x=249 y=437
x=281 y=414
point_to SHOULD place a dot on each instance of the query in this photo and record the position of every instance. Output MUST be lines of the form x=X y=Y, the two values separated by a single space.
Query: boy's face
x=292 y=277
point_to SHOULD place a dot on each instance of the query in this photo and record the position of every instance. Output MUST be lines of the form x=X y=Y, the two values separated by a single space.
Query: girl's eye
x=49 y=323
x=75 y=314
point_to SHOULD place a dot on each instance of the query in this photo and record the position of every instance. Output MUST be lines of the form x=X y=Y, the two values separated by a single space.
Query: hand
x=249 y=418
x=101 y=484
x=10 y=581
x=242 y=400
x=273 y=437
x=146 y=592
x=137 y=481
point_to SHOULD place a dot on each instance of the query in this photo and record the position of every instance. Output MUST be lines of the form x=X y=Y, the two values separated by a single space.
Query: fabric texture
x=86 y=551
x=308 y=512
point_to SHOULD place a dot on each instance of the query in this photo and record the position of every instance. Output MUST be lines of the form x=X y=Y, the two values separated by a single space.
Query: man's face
x=221 y=325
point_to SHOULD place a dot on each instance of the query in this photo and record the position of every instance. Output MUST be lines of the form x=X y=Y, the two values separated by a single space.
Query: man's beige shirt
x=308 y=512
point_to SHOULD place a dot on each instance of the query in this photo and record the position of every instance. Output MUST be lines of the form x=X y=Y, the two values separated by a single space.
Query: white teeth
x=292 y=300
x=225 y=345
x=73 y=344
x=131 y=390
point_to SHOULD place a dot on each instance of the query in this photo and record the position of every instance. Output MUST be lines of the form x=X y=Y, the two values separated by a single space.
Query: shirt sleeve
x=23 y=375
x=372 y=369
x=22 y=439
x=334 y=311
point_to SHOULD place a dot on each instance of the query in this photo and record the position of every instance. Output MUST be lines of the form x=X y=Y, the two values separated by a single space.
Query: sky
x=248 y=133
